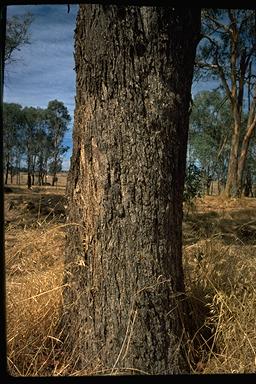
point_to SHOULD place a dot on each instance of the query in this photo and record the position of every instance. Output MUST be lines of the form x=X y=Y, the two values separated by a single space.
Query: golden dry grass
x=220 y=275
x=34 y=270
x=220 y=272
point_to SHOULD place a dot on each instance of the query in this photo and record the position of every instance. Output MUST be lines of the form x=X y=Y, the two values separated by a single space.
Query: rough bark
x=123 y=274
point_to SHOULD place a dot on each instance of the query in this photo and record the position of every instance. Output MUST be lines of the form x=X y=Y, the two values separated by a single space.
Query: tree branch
x=217 y=23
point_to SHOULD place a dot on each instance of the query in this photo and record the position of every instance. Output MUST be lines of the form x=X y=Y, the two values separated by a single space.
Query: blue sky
x=43 y=70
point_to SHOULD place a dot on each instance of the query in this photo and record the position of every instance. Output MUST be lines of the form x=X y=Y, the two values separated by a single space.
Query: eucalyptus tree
x=12 y=137
x=42 y=146
x=249 y=184
x=58 y=119
x=210 y=134
x=227 y=53
x=123 y=261
x=33 y=121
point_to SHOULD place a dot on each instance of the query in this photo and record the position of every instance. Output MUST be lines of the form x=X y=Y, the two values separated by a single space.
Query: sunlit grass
x=221 y=293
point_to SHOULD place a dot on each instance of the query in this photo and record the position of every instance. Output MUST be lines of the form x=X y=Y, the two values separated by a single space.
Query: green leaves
x=193 y=183
x=209 y=132
x=35 y=136
x=57 y=118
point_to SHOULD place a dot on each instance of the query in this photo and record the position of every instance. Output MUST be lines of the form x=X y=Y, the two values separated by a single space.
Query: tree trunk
x=231 y=183
x=248 y=184
x=29 y=180
x=7 y=171
x=251 y=124
x=124 y=276
x=241 y=164
x=53 y=179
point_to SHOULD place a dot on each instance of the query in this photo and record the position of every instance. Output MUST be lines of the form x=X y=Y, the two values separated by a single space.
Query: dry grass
x=220 y=273
x=220 y=276
x=34 y=267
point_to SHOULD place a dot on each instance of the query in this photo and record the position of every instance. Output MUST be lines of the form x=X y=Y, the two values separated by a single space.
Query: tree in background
x=227 y=53
x=123 y=277
x=193 y=183
x=249 y=182
x=33 y=121
x=209 y=136
x=42 y=148
x=58 y=120
x=43 y=156
x=17 y=35
x=30 y=133
x=12 y=143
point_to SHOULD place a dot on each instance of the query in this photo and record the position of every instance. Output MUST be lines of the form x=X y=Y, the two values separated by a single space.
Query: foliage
x=58 y=119
x=12 y=133
x=193 y=183
x=227 y=53
x=34 y=136
x=216 y=47
x=17 y=35
x=209 y=133
x=210 y=137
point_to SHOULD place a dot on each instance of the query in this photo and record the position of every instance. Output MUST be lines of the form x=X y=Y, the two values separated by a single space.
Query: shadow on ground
x=24 y=207
x=231 y=226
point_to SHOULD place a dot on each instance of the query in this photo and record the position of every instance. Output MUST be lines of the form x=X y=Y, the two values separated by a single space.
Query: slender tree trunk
x=53 y=179
x=29 y=180
x=124 y=276
x=6 y=172
x=248 y=184
x=236 y=98
x=242 y=163
x=251 y=124
x=231 y=183
x=19 y=173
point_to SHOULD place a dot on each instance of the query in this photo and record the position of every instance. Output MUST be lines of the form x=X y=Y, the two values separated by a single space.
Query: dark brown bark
x=12 y=173
x=124 y=244
x=29 y=181
x=54 y=179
